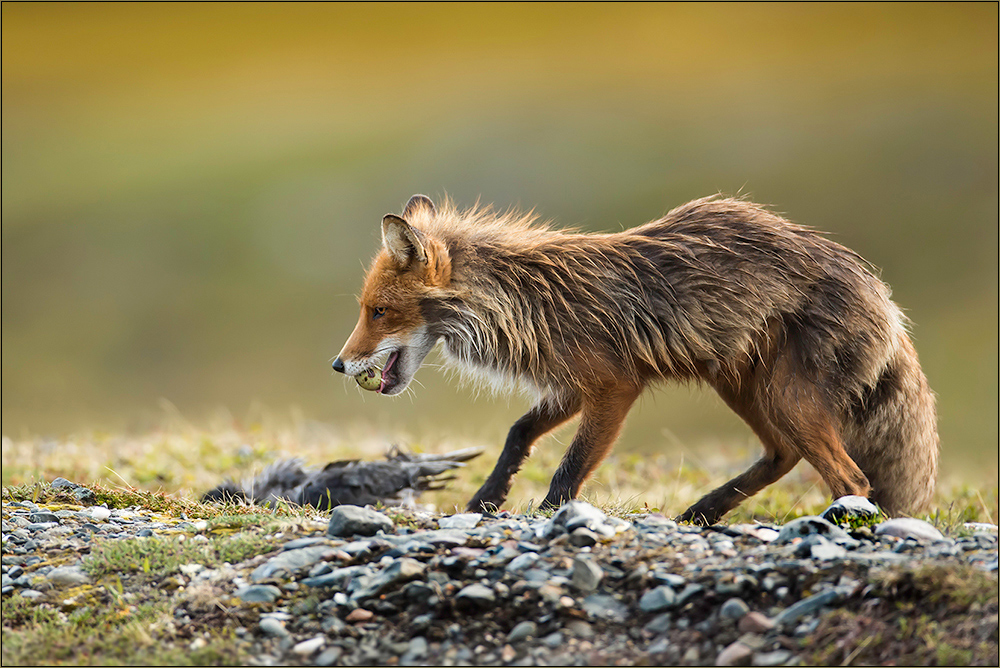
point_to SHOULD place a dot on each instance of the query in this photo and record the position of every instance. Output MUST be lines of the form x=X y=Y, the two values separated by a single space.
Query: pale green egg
x=370 y=380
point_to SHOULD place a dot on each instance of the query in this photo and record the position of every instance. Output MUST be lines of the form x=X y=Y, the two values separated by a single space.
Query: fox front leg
x=542 y=418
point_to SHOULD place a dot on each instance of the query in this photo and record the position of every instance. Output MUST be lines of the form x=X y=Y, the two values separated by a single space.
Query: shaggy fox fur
x=792 y=330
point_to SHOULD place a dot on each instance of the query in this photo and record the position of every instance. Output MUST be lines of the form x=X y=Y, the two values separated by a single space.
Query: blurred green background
x=191 y=191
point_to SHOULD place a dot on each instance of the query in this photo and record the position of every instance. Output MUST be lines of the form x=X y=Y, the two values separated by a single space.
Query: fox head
x=410 y=270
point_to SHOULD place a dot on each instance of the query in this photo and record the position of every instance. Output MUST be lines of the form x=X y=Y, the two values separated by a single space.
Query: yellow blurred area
x=190 y=191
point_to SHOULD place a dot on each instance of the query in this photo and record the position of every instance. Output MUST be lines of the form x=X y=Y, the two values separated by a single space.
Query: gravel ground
x=360 y=586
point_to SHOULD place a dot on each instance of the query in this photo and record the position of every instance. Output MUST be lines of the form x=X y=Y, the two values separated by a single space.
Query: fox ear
x=402 y=241
x=418 y=202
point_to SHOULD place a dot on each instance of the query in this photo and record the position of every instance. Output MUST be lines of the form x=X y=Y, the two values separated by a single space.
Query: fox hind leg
x=788 y=414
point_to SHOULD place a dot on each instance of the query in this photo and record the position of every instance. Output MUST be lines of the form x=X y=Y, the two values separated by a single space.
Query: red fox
x=792 y=330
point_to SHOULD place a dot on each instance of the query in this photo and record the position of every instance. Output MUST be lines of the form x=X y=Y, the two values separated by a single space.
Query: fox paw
x=699 y=515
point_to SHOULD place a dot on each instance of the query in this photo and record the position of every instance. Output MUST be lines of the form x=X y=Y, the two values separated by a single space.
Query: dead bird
x=399 y=479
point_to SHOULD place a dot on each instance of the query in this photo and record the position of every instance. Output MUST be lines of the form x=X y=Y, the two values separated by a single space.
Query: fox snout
x=338 y=365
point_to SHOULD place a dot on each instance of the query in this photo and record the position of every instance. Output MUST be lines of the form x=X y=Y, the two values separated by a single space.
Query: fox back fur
x=793 y=331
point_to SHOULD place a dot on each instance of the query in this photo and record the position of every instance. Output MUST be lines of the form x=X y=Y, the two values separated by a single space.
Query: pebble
x=356 y=521
x=475 y=595
x=329 y=656
x=755 y=622
x=808 y=526
x=258 y=594
x=523 y=630
x=658 y=598
x=734 y=608
x=586 y=574
x=270 y=626
x=286 y=563
x=850 y=506
x=309 y=647
x=460 y=521
x=736 y=654
x=908 y=527
x=809 y=605
x=359 y=615
x=68 y=576
x=778 y=657
x=586 y=587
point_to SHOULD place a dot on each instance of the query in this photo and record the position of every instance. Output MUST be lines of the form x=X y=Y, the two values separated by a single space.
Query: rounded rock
x=908 y=527
x=348 y=521
x=734 y=608
x=522 y=631
x=270 y=626
x=258 y=594
x=658 y=598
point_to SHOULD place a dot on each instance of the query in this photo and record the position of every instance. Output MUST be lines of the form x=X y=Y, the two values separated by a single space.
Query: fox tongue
x=386 y=368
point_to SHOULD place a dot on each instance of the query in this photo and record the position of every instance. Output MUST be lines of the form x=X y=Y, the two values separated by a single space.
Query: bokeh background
x=191 y=191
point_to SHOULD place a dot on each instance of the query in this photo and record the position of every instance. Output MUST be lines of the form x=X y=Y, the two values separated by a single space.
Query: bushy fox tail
x=892 y=436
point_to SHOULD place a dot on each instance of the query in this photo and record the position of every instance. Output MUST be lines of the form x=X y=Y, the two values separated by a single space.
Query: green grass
x=107 y=631
x=931 y=614
x=159 y=557
x=186 y=461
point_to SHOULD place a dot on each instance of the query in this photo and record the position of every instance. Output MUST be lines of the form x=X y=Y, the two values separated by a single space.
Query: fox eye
x=378 y=312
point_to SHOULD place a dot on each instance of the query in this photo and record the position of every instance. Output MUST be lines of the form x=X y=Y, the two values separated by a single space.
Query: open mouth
x=389 y=375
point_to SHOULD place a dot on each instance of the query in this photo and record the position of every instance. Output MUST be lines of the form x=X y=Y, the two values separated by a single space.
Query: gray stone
x=810 y=525
x=980 y=526
x=824 y=550
x=734 y=608
x=659 y=624
x=553 y=640
x=671 y=579
x=270 y=626
x=400 y=570
x=576 y=514
x=43 y=517
x=850 y=506
x=586 y=574
x=583 y=537
x=329 y=656
x=258 y=594
x=657 y=599
x=299 y=543
x=580 y=629
x=522 y=562
x=475 y=596
x=808 y=606
x=291 y=561
x=522 y=631
x=689 y=592
x=460 y=521
x=309 y=647
x=67 y=576
x=778 y=657
x=660 y=646
x=354 y=520
x=736 y=654
x=908 y=527
x=415 y=650
x=605 y=607
x=60 y=483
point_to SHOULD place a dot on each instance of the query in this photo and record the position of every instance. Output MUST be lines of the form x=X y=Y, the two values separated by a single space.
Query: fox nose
x=338 y=365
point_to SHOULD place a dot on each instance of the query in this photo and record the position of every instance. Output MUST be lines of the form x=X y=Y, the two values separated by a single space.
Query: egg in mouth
x=379 y=379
